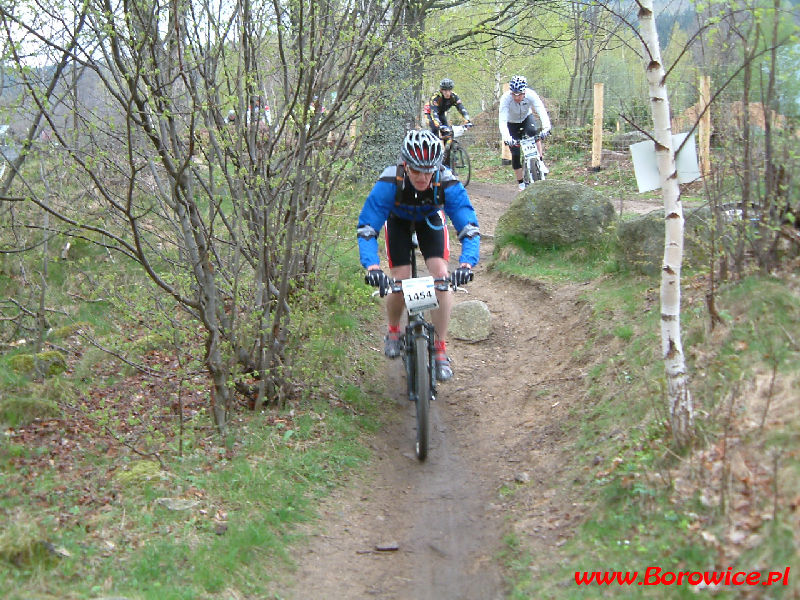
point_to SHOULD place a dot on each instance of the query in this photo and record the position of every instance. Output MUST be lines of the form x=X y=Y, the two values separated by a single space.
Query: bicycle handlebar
x=441 y=283
x=447 y=132
x=516 y=142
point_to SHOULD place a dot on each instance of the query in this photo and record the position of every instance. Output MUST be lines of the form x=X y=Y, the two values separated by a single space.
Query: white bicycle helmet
x=446 y=84
x=422 y=151
x=518 y=83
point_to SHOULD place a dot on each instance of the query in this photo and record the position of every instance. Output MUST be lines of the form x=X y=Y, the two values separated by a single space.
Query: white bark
x=679 y=397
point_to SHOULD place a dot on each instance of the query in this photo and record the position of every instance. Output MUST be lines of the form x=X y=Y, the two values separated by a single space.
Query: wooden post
x=505 y=151
x=597 y=127
x=704 y=129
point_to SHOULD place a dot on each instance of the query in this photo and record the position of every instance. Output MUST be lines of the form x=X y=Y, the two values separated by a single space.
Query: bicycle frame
x=417 y=342
x=531 y=160
x=417 y=327
x=456 y=155
x=418 y=348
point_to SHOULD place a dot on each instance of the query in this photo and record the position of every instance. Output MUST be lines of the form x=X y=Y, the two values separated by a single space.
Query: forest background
x=159 y=230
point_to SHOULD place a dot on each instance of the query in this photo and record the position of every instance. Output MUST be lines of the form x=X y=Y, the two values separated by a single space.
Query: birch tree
x=679 y=396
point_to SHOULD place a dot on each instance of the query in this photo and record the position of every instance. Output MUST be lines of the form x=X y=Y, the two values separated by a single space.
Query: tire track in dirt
x=500 y=422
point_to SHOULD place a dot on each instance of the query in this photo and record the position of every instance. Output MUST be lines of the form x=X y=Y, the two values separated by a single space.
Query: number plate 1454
x=419 y=294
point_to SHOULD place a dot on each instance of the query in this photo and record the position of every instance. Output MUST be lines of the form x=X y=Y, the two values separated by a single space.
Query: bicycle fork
x=419 y=328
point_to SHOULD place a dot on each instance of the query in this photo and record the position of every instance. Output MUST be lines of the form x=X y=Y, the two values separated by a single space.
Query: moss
x=68 y=330
x=22 y=363
x=42 y=364
x=556 y=214
x=18 y=411
x=53 y=361
x=139 y=473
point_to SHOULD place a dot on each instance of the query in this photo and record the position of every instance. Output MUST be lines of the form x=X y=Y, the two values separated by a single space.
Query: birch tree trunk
x=681 y=411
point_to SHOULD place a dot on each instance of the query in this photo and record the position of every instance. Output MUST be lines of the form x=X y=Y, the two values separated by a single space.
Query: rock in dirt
x=177 y=503
x=387 y=547
x=470 y=321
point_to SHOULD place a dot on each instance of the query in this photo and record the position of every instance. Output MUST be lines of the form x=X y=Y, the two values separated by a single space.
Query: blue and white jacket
x=446 y=193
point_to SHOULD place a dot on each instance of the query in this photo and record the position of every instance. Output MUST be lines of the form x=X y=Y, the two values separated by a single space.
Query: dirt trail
x=499 y=422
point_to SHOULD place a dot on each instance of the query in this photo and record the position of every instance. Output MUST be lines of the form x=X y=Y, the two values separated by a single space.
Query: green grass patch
x=638 y=519
x=133 y=518
x=248 y=498
x=517 y=257
x=764 y=312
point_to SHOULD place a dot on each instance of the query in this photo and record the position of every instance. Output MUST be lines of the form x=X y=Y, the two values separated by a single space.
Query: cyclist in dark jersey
x=419 y=192
x=440 y=103
x=437 y=109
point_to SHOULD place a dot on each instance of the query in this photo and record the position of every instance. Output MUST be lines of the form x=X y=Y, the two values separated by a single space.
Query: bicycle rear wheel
x=460 y=164
x=422 y=381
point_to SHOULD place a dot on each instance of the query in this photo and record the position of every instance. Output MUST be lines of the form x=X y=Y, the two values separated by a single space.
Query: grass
x=249 y=494
x=90 y=455
x=519 y=258
x=83 y=517
x=651 y=505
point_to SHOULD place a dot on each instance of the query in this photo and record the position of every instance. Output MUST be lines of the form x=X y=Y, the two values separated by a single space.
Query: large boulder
x=640 y=245
x=556 y=213
x=41 y=364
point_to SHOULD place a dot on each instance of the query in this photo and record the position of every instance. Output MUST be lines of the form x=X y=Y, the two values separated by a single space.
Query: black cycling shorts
x=517 y=130
x=431 y=235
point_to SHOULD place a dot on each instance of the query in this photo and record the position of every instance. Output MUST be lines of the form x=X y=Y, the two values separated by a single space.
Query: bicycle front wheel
x=536 y=170
x=460 y=164
x=531 y=171
x=422 y=379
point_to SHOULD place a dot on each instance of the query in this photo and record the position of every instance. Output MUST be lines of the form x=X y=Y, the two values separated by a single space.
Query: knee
x=437 y=268
x=400 y=273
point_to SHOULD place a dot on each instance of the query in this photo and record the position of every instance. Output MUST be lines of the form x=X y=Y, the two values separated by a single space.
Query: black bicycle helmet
x=446 y=84
x=422 y=151
x=518 y=83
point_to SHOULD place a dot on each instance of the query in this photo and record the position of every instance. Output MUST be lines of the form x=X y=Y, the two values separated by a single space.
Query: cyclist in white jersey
x=516 y=119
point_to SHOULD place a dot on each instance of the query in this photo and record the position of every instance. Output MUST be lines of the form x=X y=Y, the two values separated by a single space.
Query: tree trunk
x=679 y=397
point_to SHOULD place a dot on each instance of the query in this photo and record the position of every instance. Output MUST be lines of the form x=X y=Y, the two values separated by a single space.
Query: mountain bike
x=456 y=156
x=417 y=344
x=532 y=165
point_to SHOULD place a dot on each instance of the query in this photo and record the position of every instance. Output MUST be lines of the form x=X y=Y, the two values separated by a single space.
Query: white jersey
x=515 y=112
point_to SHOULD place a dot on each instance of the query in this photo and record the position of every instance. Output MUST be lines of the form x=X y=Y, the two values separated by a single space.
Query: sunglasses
x=413 y=171
x=517 y=93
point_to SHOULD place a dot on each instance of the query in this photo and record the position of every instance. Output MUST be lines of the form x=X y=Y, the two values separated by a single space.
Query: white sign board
x=646 y=167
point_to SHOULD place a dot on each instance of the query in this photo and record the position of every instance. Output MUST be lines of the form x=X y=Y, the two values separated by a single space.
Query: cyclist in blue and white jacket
x=415 y=196
x=516 y=118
